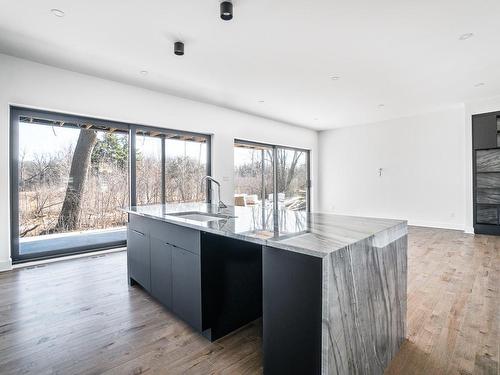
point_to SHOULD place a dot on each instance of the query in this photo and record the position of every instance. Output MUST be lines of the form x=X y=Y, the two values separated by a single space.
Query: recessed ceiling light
x=261 y=101
x=335 y=78
x=479 y=84
x=144 y=72
x=57 y=12
x=466 y=36
x=381 y=105
x=315 y=119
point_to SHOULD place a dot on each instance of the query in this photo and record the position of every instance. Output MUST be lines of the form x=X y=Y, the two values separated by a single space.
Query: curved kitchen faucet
x=211 y=179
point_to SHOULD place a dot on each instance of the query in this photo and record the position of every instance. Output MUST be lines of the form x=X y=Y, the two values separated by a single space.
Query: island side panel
x=292 y=293
x=364 y=306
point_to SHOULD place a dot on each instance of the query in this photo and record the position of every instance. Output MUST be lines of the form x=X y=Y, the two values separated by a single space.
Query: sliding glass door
x=270 y=175
x=69 y=179
x=71 y=175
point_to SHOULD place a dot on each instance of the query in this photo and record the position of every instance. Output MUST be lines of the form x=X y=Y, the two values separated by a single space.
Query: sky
x=42 y=139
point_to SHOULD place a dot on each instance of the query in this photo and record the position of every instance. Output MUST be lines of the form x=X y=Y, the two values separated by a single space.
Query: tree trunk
x=70 y=212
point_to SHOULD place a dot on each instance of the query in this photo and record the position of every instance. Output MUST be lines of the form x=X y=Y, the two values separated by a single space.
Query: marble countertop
x=315 y=234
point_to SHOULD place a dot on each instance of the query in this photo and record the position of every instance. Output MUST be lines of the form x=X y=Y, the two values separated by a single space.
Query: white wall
x=423 y=177
x=35 y=85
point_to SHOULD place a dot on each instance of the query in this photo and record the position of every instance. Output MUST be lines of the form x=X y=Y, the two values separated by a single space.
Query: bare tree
x=70 y=212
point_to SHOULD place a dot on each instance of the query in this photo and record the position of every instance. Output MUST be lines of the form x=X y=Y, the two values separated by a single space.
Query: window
x=292 y=178
x=253 y=174
x=169 y=166
x=70 y=176
x=148 y=156
x=255 y=168
x=186 y=165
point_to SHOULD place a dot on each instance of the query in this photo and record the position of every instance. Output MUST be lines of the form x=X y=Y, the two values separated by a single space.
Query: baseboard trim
x=6 y=265
x=469 y=230
x=416 y=223
x=432 y=224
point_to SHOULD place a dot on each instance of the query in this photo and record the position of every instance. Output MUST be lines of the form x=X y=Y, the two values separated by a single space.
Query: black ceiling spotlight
x=179 y=48
x=226 y=10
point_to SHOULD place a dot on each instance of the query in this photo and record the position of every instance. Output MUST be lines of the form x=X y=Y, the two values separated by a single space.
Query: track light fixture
x=179 y=48
x=226 y=10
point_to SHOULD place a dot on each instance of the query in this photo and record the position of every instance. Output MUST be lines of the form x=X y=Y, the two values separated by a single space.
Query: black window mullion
x=275 y=178
x=163 y=171
x=132 y=166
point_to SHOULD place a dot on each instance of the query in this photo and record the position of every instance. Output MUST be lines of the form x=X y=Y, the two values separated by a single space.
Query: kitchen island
x=331 y=289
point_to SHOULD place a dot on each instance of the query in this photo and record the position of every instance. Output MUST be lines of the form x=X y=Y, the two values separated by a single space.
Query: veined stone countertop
x=315 y=234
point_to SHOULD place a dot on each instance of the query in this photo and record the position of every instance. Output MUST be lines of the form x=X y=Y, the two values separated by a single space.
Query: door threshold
x=66 y=257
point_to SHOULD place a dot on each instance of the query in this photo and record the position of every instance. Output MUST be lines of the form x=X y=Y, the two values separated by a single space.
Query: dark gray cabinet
x=484 y=131
x=171 y=273
x=161 y=271
x=138 y=257
x=215 y=291
x=486 y=172
x=186 y=286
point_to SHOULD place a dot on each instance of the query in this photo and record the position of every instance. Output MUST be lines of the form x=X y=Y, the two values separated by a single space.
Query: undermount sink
x=200 y=216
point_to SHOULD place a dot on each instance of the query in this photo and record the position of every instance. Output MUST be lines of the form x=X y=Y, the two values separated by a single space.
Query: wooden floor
x=80 y=317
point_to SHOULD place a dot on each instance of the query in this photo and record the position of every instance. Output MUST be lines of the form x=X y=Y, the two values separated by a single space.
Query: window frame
x=16 y=111
x=274 y=149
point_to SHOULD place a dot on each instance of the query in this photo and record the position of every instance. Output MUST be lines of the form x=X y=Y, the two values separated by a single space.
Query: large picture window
x=271 y=176
x=71 y=175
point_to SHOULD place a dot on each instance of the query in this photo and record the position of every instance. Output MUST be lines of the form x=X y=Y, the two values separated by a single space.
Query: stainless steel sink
x=200 y=216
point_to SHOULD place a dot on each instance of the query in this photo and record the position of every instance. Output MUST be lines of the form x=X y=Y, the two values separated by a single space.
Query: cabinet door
x=138 y=257
x=484 y=131
x=186 y=286
x=161 y=271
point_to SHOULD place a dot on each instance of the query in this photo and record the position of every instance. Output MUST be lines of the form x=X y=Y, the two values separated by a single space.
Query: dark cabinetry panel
x=171 y=274
x=161 y=271
x=487 y=215
x=232 y=284
x=186 y=286
x=488 y=196
x=486 y=172
x=185 y=238
x=488 y=160
x=484 y=131
x=138 y=257
x=487 y=180
x=291 y=312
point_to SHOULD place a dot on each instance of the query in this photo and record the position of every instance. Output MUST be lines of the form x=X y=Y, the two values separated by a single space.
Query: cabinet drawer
x=186 y=238
x=488 y=160
x=488 y=196
x=488 y=180
x=138 y=223
x=487 y=215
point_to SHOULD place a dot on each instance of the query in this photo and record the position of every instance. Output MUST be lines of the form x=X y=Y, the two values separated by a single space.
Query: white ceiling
x=405 y=54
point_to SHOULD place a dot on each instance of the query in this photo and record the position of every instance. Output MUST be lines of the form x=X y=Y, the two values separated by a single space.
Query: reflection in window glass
x=292 y=178
x=253 y=175
x=185 y=166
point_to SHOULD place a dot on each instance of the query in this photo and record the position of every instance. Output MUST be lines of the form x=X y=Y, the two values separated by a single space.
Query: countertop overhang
x=315 y=234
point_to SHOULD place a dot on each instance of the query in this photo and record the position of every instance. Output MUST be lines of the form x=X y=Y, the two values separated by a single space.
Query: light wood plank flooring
x=80 y=317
